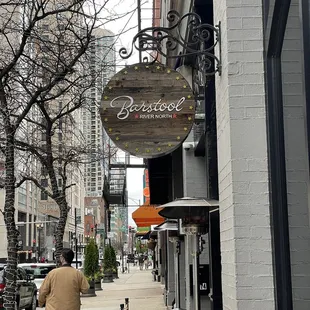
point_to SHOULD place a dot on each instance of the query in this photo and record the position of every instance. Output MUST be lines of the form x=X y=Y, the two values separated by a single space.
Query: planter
x=98 y=285
x=115 y=275
x=108 y=277
x=91 y=291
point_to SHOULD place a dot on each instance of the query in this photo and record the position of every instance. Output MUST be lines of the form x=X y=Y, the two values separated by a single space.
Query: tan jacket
x=61 y=289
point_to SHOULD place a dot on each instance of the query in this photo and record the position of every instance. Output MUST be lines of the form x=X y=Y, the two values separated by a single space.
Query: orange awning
x=147 y=215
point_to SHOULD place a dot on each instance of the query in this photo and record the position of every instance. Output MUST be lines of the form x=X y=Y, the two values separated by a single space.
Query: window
x=43 y=170
x=39 y=272
x=44 y=182
x=44 y=195
x=22 y=199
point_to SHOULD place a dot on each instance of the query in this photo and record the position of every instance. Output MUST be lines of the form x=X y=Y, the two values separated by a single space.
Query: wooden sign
x=49 y=208
x=147 y=110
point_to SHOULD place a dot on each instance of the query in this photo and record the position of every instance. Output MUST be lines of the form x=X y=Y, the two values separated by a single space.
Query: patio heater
x=193 y=216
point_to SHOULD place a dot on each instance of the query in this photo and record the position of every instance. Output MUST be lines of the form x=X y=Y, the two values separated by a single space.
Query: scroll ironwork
x=201 y=41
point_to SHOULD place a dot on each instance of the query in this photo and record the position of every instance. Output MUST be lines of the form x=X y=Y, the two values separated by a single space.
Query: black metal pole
x=139 y=25
x=39 y=258
x=178 y=279
x=123 y=260
x=75 y=240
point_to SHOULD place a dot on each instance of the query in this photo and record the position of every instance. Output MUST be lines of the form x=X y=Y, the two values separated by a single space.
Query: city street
x=138 y=286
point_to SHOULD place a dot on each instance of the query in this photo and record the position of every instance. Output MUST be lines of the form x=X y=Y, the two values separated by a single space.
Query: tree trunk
x=9 y=213
x=63 y=207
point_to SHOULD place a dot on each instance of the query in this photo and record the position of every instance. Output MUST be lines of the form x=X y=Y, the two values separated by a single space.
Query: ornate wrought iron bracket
x=200 y=41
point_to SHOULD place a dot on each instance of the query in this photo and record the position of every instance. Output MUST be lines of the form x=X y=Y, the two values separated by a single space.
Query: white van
x=38 y=270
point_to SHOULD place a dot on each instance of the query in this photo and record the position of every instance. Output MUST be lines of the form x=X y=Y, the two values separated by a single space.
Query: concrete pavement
x=138 y=286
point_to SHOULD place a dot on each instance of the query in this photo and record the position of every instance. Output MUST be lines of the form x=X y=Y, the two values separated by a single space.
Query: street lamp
x=39 y=228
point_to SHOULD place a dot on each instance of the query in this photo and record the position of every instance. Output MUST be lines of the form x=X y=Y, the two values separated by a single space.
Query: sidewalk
x=138 y=286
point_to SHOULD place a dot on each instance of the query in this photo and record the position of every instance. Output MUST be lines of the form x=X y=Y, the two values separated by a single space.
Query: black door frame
x=305 y=28
x=276 y=154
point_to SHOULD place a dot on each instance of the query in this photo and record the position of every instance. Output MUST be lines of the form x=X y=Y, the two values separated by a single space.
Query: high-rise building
x=101 y=57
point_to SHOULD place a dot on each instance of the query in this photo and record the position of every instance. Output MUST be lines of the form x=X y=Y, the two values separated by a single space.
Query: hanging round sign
x=147 y=110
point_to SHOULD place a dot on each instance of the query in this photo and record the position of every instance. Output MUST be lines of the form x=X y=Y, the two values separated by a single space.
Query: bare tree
x=44 y=78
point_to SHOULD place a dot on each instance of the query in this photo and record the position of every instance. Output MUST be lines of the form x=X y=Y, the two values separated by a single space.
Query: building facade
x=245 y=154
x=101 y=57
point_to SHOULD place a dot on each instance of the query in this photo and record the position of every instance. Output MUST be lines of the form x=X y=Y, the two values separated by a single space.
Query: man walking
x=62 y=286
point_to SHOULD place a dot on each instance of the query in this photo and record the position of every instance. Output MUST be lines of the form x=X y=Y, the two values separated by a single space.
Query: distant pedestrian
x=141 y=260
x=62 y=286
x=146 y=263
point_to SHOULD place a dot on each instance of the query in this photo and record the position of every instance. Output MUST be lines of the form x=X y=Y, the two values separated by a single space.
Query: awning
x=143 y=229
x=147 y=215
x=141 y=233
x=168 y=225
x=146 y=236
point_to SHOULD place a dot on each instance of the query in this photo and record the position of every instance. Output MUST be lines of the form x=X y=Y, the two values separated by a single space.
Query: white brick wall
x=247 y=277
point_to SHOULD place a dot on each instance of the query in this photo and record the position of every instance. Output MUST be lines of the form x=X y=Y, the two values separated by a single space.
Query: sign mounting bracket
x=201 y=42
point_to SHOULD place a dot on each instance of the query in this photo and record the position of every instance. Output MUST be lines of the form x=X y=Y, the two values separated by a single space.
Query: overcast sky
x=126 y=28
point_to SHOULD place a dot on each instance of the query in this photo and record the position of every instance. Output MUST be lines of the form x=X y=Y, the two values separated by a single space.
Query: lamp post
x=39 y=228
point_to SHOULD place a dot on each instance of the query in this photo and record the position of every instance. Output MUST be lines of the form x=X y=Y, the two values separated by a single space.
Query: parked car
x=26 y=289
x=38 y=271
